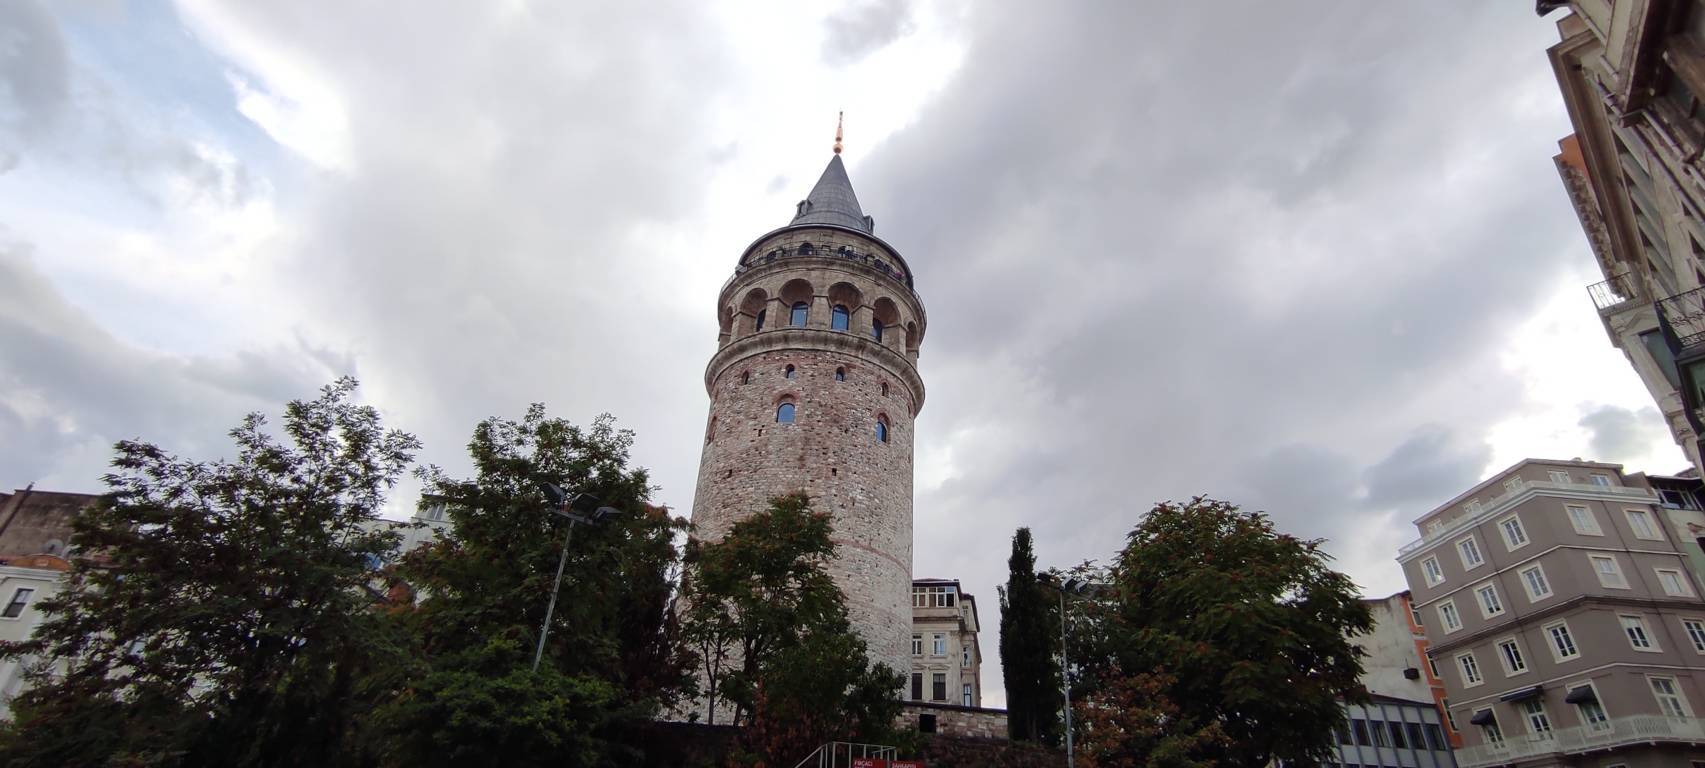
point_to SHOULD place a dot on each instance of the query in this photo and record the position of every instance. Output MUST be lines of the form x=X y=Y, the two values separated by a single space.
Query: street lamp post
x=1076 y=587
x=583 y=508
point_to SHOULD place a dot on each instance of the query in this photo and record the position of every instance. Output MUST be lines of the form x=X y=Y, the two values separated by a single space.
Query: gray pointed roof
x=832 y=201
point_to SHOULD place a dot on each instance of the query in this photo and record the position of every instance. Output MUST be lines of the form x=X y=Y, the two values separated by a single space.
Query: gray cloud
x=861 y=28
x=1619 y=434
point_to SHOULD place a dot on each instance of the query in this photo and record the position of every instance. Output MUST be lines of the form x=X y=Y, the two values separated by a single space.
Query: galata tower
x=814 y=387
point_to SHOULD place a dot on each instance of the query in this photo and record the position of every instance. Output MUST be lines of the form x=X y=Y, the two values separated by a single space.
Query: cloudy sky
x=1313 y=258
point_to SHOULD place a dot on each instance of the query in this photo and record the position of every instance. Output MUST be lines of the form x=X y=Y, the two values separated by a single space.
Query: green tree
x=1028 y=642
x=790 y=665
x=471 y=697
x=1251 y=625
x=219 y=613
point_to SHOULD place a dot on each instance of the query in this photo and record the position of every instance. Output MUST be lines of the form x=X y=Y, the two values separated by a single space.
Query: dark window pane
x=917 y=686
x=760 y=320
x=881 y=432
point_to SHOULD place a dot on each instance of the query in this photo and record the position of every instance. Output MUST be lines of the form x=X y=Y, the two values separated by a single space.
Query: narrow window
x=1695 y=632
x=839 y=318
x=1537 y=722
x=1562 y=643
x=965 y=657
x=1470 y=669
x=917 y=645
x=967 y=693
x=1583 y=520
x=917 y=686
x=20 y=599
x=884 y=389
x=784 y=414
x=1586 y=703
x=1669 y=697
x=788 y=372
x=1490 y=605
x=746 y=377
x=840 y=374
x=800 y=309
x=938 y=682
x=876 y=329
x=1533 y=580
x=1674 y=584
x=1635 y=628
x=1430 y=568
x=881 y=429
x=1641 y=522
x=1490 y=731
x=938 y=645
x=760 y=325
x=1515 y=536
x=1510 y=654
x=1449 y=617
x=1609 y=573
x=1470 y=551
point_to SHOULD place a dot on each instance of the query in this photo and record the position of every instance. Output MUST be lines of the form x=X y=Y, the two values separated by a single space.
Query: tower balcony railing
x=871 y=259
x=1612 y=294
x=1613 y=733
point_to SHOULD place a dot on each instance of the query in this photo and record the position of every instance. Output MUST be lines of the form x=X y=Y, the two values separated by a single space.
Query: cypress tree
x=1028 y=637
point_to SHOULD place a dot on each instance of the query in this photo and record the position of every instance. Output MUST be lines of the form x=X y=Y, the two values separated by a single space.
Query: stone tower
x=814 y=387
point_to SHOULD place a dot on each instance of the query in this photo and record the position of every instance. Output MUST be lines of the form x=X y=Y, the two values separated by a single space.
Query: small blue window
x=784 y=414
x=839 y=319
x=840 y=374
x=799 y=310
x=881 y=430
x=760 y=325
x=876 y=330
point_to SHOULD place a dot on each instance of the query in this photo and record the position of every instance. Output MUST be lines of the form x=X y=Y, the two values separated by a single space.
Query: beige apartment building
x=1564 y=619
x=1630 y=73
x=946 y=659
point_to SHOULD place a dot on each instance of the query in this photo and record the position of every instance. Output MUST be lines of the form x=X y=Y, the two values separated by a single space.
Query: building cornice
x=852 y=344
x=1529 y=489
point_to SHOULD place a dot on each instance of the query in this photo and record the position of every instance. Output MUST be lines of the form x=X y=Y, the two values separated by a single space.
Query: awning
x=1483 y=717
x=1521 y=693
x=1581 y=695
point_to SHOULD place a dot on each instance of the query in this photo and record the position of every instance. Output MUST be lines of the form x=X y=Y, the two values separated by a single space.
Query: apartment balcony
x=1618 y=732
x=1613 y=295
x=1685 y=314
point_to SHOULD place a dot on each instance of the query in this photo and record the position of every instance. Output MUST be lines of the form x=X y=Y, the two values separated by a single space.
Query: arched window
x=799 y=310
x=882 y=429
x=784 y=413
x=745 y=377
x=876 y=329
x=839 y=319
x=760 y=320
x=840 y=374
x=789 y=372
x=884 y=389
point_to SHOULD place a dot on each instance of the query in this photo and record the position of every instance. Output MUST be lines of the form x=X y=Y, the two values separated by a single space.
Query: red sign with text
x=876 y=762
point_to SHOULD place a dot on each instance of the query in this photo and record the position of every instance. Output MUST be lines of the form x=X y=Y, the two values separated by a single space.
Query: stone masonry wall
x=966 y=722
x=831 y=450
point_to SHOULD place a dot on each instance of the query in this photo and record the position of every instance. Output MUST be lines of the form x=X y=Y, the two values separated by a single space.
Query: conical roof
x=832 y=201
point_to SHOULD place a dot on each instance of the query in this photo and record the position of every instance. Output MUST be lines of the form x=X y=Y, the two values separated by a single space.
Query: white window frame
x=23 y=607
x=1616 y=571
x=1680 y=695
x=1580 y=712
x=1504 y=658
x=917 y=645
x=1474 y=544
x=1445 y=617
x=1433 y=664
x=1680 y=581
x=1504 y=532
x=1599 y=479
x=1559 y=476
x=938 y=644
x=1467 y=665
x=1657 y=533
x=1632 y=623
x=1530 y=717
x=1428 y=574
x=1551 y=642
x=1527 y=586
x=1694 y=628
x=1513 y=484
x=1480 y=599
x=1492 y=732
x=1592 y=527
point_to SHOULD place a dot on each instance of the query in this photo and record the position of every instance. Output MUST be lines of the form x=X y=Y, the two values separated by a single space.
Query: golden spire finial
x=839 y=119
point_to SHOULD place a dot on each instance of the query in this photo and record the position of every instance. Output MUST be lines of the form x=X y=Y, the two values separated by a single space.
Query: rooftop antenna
x=839 y=119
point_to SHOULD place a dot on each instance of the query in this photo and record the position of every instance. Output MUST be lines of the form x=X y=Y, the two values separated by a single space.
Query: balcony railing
x=1621 y=731
x=1497 y=503
x=1612 y=293
x=1685 y=313
x=872 y=259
